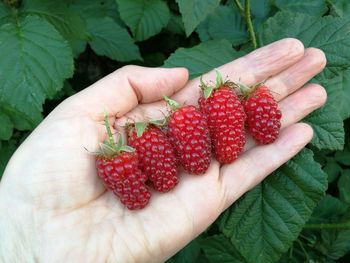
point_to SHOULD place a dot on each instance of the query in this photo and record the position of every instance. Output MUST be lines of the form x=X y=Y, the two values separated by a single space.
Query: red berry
x=117 y=166
x=189 y=134
x=263 y=115
x=156 y=157
x=225 y=116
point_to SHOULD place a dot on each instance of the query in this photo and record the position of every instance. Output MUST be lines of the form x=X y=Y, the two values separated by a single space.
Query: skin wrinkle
x=289 y=80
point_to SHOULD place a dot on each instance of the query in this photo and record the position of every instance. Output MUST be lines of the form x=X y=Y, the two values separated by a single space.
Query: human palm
x=53 y=207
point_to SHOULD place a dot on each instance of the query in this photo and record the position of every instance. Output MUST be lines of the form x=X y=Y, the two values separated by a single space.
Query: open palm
x=53 y=207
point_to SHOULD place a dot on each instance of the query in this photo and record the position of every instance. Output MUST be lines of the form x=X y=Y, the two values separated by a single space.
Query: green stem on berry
x=172 y=103
x=109 y=131
x=343 y=225
x=248 y=20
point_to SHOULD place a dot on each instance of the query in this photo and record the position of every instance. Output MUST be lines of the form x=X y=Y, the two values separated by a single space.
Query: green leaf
x=195 y=11
x=203 y=57
x=35 y=60
x=68 y=23
x=6 y=126
x=328 y=128
x=111 y=40
x=4 y=12
x=93 y=8
x=224 y=23
x=344 y=186
x=265 y=221
x=260 y=9
x=328 y=210
x=145 y=18
x=338 y=91
x=310 y=7
x=343 y=157
x=175 y=24
x=332 y=169
x=189 y=254
x=219 y=248
x=6 y=151
x=334 y=243
x=330 y=34
x=340 y=8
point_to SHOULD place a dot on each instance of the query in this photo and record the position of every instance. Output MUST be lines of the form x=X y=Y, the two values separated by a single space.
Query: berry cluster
x=187 y=138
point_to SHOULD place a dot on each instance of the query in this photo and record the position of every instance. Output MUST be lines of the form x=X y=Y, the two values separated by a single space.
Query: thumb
x=122 y=90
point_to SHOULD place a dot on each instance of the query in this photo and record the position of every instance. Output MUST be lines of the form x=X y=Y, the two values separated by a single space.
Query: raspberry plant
x=51 y=49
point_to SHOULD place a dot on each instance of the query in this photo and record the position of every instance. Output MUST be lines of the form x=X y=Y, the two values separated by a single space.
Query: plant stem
x=248 y=20
x=344 y=225
x=240 y=7
x=304 y=250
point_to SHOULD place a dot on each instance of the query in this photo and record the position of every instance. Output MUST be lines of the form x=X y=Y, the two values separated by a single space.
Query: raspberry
x=122 y=175
x=156 y=157
x=117 y=166
x=189 y=134
x=226 y=117
x=263 y=115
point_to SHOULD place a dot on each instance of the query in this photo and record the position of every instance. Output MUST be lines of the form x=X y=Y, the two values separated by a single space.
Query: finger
x=291 y=79
x=252 y=68
x=254 y=165
x=123 y=89
x=301 y=103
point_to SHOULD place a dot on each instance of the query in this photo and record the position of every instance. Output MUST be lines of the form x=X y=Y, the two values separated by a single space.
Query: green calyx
x=141 y=127
x=109 y=148
x=172 y=103
x=219 y=82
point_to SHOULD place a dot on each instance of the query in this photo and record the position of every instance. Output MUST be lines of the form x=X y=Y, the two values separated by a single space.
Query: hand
x=54 y=208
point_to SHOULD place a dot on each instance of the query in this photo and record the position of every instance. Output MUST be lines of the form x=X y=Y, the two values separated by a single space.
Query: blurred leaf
x=328 y=128
x=6 y=150
x=175 y=24
x=344 y=186
x=94 y=8
x=111 y=40
x=332 y=169
x=343 y=157
x=340 y=8
x=204 y=57
x=328 y=209
x=224 y=23
x=310 y=7
x=68 y=23
x=189 y=254
x=265 y=221
x=260 y=9
x=338 y=91
x=195 y=11
x=334 y=243
x=219 y=249
x=6 y=126
x=4 y=12
x=35 y=60
x=330 y=34
x=145 y=18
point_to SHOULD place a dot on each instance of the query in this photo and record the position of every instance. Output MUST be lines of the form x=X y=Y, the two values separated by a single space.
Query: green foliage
x=265 y=221
x=203 y=58
x=328 y=128
x=194 y=12
x=275 y=221
x=144 y=17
